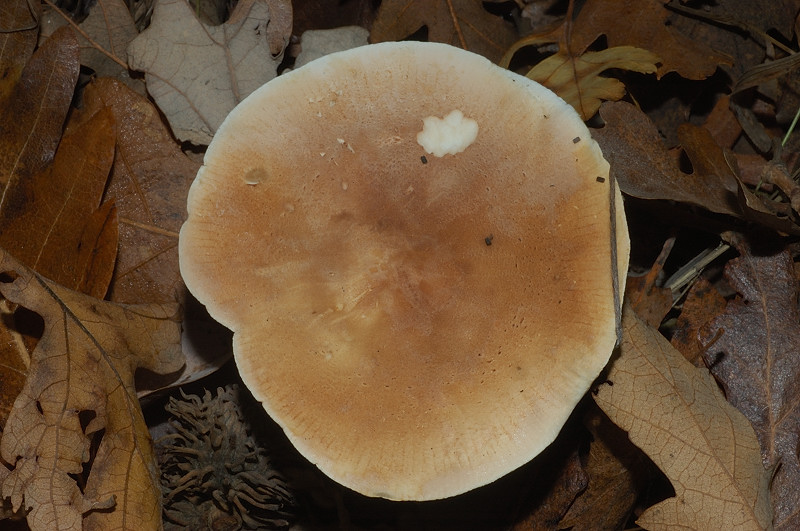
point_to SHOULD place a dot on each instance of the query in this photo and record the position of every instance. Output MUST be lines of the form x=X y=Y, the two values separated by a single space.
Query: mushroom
x=421 y=257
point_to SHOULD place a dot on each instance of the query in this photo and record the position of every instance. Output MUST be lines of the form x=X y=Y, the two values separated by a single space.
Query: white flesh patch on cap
x=447 y=136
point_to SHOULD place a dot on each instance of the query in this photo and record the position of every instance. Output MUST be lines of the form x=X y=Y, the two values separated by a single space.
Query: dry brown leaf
x=198 y=73
x=79 y=406
x=30 y=130
x=15 y=46
x=752 y=348
x=614 y=467
x=650 y=301
x=149 y=184
x=31 y=121
x=676 y=413
x=577 y=80
x=644 y=24
x=462 y=23
x=702 y=303
x=569 y=482
x=103 y=36
x=60 y=231
x=645 y=169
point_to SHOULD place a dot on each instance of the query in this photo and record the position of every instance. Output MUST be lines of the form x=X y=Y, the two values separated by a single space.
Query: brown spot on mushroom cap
x=374 y=323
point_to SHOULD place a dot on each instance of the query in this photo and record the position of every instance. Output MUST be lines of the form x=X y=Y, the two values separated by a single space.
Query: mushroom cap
x=419 y=325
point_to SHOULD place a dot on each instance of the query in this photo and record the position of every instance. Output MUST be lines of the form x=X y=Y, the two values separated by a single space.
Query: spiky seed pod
x=214 y=474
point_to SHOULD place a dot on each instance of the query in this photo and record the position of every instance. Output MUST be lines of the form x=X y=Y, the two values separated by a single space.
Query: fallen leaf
x=645 y=169
x=78 y=397
x=279 y=28
x=752 y=348
x=31 y=121
x=462 y=23
x=614 y=468
x=149 y=184
x=722 y=123
x=763 y=15
x=676 y=413
x=58 y=230
x=103 y=36
x=644 y=24
x=30 y=130
x=702 y=303
x=198 y=73
x=569 y=482
x=577 y=80
x=17 y=41
x=15 y=349
x=650 y=301
x=329 y=14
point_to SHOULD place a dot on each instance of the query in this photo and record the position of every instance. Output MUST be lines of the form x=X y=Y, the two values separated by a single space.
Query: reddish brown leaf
x=752 y=350
x=570 y=482
x=722 y=123
x=614 y=466
x=48 y=231
x=462 y=23
x=644 y=24
x=645 y=169
x=651 y=302
x=149 y=184
x=31 y=122
x=15 y=46
x=703 y=303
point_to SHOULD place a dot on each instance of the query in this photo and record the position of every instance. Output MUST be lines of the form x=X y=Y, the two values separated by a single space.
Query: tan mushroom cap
x=419 y=325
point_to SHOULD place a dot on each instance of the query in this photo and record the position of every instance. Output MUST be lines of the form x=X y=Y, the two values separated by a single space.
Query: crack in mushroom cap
x=418 y=325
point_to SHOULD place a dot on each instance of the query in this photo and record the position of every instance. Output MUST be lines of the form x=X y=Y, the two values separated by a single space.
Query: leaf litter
x=725 y=164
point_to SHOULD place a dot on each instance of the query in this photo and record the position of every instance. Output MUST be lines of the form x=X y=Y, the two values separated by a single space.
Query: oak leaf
x=676 y=413
x=60 y=230
x=198 y=73
x=32 y=119
x=577 y=80
x=646 y=169
x=149 y=184
x=644 y=24
x=78 y=409
x=752 y=348
x=462 y=23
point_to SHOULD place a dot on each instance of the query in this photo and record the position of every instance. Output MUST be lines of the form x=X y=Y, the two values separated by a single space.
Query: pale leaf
x=198 y=73
x=577 y=80
x=80 y=393
x=676 y=413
